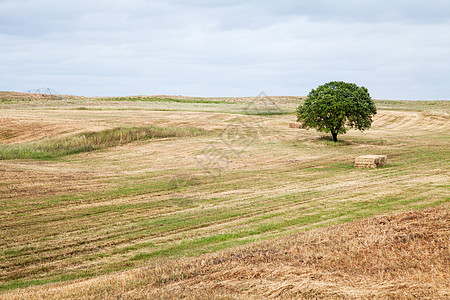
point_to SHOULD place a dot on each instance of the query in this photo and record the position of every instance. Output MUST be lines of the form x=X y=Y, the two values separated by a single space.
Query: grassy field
x=377 y=258
x=92 y=186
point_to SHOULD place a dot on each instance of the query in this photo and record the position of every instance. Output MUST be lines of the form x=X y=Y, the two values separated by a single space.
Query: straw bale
x=295 y=125
x=370 y=161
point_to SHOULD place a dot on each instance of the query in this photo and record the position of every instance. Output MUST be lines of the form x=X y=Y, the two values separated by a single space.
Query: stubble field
x=177 y=177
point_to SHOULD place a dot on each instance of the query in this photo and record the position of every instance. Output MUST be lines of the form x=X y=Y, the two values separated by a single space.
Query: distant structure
x=48 y=92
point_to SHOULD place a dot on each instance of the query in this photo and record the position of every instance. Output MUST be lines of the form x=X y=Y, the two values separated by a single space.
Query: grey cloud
x=368 y=11
x=225 y=48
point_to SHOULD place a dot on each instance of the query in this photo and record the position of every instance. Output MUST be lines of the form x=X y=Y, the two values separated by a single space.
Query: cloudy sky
x=397 y=49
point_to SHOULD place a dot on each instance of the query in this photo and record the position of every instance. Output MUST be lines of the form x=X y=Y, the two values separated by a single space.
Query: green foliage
x=336 y=106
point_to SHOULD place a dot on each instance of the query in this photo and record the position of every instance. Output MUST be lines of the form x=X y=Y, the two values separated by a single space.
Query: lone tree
x=337 y=106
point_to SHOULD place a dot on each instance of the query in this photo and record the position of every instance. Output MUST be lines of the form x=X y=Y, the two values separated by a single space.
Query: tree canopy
x=337 y=106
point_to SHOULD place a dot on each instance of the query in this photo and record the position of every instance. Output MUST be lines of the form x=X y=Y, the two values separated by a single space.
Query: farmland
x=167 y=180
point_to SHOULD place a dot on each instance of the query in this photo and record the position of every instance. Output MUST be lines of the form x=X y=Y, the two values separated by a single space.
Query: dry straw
x=370 y=161
x=295 y=125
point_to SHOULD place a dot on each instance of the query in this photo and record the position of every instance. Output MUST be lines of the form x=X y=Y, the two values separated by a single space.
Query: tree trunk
x=334 y=134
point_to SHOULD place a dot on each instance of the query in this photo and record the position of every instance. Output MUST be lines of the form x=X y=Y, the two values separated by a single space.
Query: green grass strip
x=162 y=99
x=51 y=148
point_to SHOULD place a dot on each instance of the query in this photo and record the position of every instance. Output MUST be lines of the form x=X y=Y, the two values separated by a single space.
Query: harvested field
x=399 y=256
x=247 y=177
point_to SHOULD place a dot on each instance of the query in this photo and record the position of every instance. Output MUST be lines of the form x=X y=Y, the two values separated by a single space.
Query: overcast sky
x=397 y=49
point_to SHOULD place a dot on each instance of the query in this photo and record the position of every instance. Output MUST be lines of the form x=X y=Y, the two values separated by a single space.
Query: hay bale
x=370 y=161
x=295 y=125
